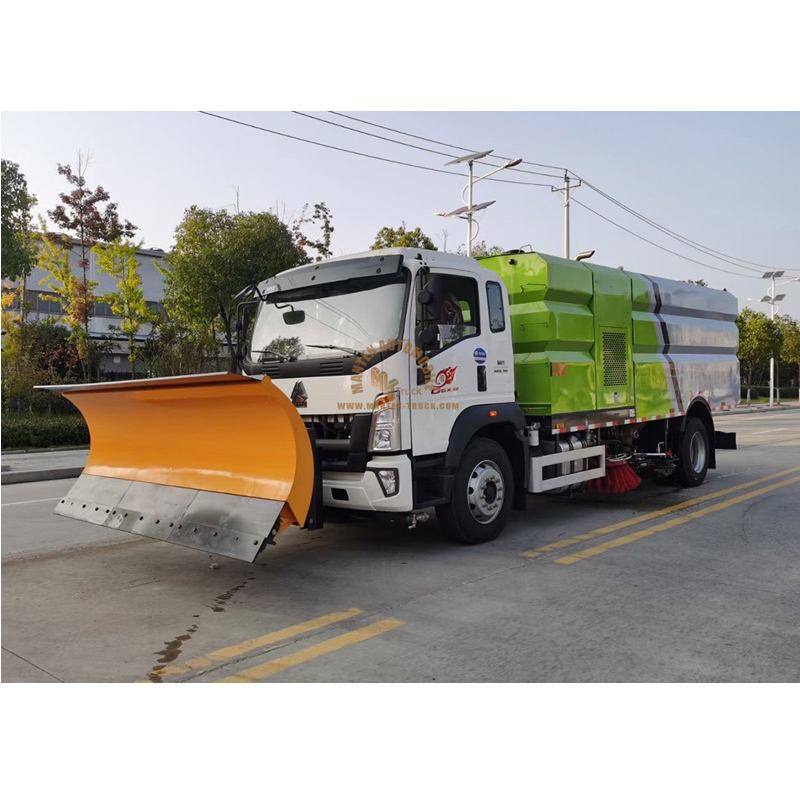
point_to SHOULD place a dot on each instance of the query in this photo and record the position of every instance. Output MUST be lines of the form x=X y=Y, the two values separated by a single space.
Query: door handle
x=481 y=378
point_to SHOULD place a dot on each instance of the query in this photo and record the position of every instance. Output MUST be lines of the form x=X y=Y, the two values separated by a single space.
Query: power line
x=405 y=144
x=655 y=244
x=446 y=144
x=673 y=234
x=356 y=152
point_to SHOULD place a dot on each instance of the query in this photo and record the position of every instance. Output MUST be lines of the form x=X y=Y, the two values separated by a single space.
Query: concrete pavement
x=708 y=591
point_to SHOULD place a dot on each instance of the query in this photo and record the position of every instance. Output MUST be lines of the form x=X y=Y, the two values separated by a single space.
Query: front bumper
x=362 y=490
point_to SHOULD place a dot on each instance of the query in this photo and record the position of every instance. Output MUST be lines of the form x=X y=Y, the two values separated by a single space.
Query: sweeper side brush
x=219 y=462
x=619 y=478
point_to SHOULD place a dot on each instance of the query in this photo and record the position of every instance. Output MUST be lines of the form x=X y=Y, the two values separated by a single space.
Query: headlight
x=385 y=430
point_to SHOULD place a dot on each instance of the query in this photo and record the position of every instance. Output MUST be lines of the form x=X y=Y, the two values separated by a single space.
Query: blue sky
x=726 y=180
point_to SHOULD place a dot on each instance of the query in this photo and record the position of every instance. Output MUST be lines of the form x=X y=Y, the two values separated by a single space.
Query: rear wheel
x=694 y=454
x=483 y=489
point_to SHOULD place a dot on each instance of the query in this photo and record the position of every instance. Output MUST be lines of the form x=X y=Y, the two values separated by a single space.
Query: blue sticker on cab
x=479 y=355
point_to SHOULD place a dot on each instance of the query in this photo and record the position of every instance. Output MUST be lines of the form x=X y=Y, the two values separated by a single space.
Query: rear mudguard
x=219 y=462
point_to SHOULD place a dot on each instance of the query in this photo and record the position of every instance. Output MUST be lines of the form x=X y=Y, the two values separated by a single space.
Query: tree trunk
x=132 y=357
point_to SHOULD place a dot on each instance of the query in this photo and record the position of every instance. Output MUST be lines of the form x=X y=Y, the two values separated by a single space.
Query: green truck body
x=599 y=346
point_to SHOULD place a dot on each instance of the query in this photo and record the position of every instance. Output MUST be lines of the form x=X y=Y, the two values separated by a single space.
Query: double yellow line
x=674 y=522
x=272 y=667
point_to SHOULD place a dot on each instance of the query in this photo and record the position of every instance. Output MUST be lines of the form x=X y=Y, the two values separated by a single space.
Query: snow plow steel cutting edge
x=172 y=459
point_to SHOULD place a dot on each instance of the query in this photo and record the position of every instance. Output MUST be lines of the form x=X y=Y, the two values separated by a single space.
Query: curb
x=32 y=476
x=753 y=410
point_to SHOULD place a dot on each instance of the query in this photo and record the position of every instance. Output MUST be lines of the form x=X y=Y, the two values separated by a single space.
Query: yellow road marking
x=549 y=548
x=671 y=523
x=270 y=668
x=225 y=653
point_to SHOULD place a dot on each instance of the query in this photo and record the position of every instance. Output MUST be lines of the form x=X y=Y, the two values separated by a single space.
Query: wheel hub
x=485 y=492
x=697 y=452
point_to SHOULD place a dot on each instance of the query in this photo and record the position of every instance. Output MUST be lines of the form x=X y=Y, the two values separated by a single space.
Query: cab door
x=453 y=330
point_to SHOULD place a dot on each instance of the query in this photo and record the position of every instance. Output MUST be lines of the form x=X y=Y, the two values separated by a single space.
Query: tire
x=484 y=475
x=694 y=454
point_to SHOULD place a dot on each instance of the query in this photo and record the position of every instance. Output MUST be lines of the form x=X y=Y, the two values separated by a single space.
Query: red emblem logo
x=443 y=378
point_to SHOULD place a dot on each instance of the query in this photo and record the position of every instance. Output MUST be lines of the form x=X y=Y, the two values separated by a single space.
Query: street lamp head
x=470 y=157
x=513 y=163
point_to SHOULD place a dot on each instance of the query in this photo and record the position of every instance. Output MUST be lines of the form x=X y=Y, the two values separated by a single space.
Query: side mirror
x=294 y=317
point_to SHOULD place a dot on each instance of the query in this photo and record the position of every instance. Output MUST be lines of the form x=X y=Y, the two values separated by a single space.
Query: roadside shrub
x=21 y=431
x=786 y=392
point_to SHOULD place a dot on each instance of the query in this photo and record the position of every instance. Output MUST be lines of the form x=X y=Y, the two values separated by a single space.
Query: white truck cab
x=385 y=354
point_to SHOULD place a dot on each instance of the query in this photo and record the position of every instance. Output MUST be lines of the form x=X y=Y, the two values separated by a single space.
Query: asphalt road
x=663 y=584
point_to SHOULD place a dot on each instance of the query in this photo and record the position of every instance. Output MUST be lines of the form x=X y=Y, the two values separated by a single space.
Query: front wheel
x=482 y=493
x=694 y=454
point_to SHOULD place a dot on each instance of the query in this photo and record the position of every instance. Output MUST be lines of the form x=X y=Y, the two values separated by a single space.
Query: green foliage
x=790 y=339
x=758 y=393
x=321 y=245
x=75 y=294
x=37 y=353
x=22 y=431
x=18 y=251
x=216 y=255
x=128 y=303
x=173 y=348
x=759 y=339
x=481 y=250
x=401 y=237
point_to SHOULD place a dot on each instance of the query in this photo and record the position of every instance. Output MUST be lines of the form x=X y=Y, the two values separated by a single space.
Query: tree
x=175 y=348
x=759 y=340
x=74 y=294
x=481 y=250
x=216 y=255
x=118 y=260
x=790 y=346
x=401 y=237
x=322 y=246
x=18 y=250
x=80 y=213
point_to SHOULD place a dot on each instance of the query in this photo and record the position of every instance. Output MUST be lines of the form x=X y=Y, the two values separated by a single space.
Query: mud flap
x=220 y=463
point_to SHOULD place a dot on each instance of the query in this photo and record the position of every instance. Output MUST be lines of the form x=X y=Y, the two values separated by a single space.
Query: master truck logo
x=380 y=380
x=299 y=396
x=444 y=377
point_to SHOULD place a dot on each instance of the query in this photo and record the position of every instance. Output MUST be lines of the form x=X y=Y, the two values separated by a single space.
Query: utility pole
x=566 y=189
x=772 y=358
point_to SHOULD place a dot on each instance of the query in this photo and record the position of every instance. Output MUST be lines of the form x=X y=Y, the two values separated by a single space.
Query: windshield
x=338 y=319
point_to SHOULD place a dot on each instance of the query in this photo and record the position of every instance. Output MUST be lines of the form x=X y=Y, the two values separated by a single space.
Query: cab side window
x=497 y=316
x=448 y=312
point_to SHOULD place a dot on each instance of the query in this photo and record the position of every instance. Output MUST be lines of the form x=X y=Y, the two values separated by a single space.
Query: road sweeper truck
x=401 y=380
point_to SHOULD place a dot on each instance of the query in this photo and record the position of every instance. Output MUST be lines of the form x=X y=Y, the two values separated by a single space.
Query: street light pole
x=773 y=301
x=467 y=212
x=566 y=189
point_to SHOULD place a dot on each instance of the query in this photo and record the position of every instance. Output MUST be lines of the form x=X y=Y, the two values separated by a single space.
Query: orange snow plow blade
x=219 y=462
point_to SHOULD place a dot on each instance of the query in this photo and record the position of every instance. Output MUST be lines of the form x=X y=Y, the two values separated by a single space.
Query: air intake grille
x=615 y=358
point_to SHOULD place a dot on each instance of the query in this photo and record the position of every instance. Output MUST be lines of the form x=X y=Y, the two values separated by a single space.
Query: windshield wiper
x=335 y=347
